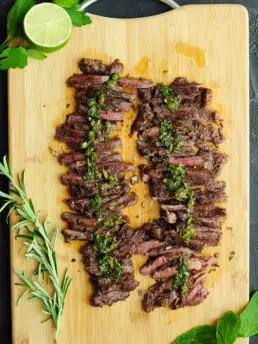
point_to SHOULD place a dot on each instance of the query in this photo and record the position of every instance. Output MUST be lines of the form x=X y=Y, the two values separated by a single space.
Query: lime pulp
x=48 y=26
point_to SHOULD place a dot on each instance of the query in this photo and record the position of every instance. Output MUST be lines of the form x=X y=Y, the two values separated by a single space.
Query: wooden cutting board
x=208 y=44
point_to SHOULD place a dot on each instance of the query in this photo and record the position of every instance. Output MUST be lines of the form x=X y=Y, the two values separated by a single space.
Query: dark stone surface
x=127 y=9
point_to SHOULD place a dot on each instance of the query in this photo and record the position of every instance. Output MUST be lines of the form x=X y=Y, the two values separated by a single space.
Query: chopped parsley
x=182 y=276
x=95 y=204
x=188 y=232
x=171 y=98
x=96 y=125
x=89 y=145
x=104 y=244
x=111 y=222
x=111 y=83
x=169 y=136
x=176 y=176
x=185 y=195
x=176 y=185
x=109 y=177
x=108 y=265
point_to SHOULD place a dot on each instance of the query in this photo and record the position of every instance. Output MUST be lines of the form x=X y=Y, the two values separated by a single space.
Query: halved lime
x=48 y=26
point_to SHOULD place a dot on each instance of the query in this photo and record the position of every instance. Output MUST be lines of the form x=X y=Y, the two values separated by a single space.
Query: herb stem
x=40 y=244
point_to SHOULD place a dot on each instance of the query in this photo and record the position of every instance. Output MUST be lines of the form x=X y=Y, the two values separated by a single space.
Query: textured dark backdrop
x=127 y=9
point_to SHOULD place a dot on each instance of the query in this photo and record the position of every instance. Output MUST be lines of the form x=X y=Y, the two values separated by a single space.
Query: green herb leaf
x=36 y=54
x=249 y=318
x=207 y=337
x=13 y=58
x=66 y=3
x=199 y=335
x=17 y=14
x=228 y=328
x=79 y=18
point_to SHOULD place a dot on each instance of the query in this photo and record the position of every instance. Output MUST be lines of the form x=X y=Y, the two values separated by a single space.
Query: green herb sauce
x=95 y=204
x=111 y=83
x=171 y=98
x=108 y=265
x=182 y=276
x=188 y=232
x=109 y=177
x=176 y=185
x=169 y=136
x=111 y=222
x=96 y=125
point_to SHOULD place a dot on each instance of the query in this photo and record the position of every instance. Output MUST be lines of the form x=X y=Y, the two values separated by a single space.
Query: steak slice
x=73 y=218
x=70 y=234
x=71 y=157
x=129 y=82
x=93 y=66
x=85 y=80
x=108 y=298
x=146 y=246
x=153 y=265
x=110 y=293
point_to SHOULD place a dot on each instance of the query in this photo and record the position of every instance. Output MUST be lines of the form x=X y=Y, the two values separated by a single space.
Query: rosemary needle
x=40 y=245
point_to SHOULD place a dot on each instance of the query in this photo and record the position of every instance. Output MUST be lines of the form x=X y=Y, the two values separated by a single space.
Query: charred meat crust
x=161 y=241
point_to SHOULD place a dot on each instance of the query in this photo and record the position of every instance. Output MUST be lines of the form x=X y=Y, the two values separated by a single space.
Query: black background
x=129 y=9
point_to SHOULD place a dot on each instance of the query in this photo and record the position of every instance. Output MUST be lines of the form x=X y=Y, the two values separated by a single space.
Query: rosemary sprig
x=40 y=245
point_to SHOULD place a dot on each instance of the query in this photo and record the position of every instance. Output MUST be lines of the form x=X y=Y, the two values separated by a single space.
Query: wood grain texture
x=208 y=44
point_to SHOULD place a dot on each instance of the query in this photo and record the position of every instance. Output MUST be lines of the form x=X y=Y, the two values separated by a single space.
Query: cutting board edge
x=11 y=74
x=176 y=10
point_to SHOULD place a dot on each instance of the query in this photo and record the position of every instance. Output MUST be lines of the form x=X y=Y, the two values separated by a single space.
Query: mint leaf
x=36 y=54
x=198 y=335
x=78 y=18
x=66 y=3
x=13 y=57
x=228 y=328
x=17 y=14
x=207 y=336
x=249 y=318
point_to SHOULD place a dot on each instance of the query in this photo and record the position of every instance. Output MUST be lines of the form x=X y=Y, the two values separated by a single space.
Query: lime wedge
x=48 y=26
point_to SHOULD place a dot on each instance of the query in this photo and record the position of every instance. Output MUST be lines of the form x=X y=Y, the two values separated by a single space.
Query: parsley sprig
x=74 y=9
x=40 y=245
x=16 y=49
